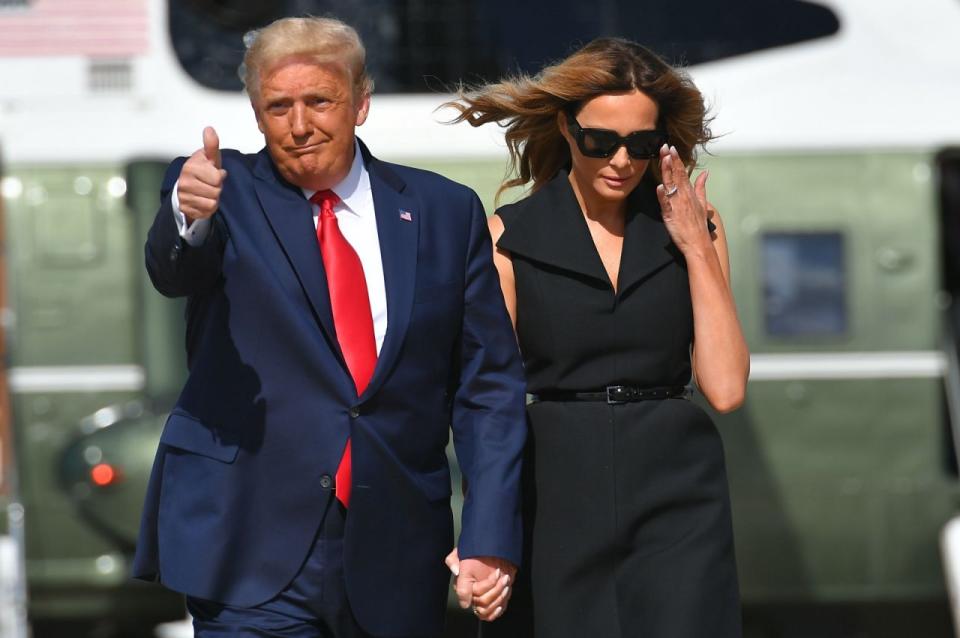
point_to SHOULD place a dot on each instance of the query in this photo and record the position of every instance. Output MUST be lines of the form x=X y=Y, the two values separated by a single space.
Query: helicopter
x=836 y=169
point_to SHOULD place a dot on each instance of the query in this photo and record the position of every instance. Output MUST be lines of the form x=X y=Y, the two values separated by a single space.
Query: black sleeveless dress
x=627 y=511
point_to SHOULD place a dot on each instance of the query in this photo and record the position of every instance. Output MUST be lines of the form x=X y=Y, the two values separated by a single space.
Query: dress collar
x=549 y=228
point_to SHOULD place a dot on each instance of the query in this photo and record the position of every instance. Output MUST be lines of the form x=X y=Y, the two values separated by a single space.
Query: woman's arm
x=721 y=361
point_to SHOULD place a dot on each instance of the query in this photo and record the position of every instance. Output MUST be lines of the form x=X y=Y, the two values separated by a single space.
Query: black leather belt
x=614 y=394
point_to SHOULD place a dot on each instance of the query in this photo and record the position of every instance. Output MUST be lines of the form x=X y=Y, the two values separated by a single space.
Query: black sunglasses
x=598 y=142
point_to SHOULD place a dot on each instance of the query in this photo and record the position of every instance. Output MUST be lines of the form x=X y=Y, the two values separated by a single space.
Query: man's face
x=307 y=112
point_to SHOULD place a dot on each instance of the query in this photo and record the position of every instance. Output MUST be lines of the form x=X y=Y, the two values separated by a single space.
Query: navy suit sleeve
x=176 y=268
x=489 y=421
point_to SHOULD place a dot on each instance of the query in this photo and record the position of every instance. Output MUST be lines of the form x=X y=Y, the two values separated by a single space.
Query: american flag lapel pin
x=406 y=215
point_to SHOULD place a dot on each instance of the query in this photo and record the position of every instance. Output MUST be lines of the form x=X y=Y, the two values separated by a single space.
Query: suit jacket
x=243 y=472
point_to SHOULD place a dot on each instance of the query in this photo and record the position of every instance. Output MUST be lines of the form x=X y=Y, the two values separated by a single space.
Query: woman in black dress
x=615 y=272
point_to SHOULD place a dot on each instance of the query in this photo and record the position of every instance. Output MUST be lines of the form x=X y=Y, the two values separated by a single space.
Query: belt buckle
x=617 y=394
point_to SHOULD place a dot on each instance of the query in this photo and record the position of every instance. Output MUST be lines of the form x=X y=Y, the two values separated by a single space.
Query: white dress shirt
x=357 y=222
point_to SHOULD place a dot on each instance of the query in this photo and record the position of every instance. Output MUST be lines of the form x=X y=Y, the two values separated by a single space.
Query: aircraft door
x=836 y=459
x=86 y=439
x=107 y=485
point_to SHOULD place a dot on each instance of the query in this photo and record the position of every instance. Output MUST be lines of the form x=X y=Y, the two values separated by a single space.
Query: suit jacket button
x=354 y=412
x=175 y=252
x=326 y=482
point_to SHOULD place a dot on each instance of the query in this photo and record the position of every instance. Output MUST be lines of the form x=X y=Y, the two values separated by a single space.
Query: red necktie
x=352 y=318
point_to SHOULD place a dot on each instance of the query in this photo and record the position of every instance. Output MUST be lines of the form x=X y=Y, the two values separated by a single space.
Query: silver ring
x=673 y=191
x=475 y=612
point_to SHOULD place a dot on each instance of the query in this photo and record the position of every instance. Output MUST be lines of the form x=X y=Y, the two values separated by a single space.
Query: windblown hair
x=527 y=106
x=321 y=40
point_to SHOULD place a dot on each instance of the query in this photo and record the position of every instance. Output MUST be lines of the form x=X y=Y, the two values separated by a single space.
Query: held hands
x=201 y=179
x=684 y=205
x=483 y=583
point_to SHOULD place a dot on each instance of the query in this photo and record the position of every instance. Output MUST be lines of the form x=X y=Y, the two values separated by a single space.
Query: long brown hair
x=527 y=106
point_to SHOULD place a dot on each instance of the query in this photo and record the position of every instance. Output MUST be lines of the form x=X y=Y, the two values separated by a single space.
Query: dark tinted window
x=804 y=284
x=421 y=45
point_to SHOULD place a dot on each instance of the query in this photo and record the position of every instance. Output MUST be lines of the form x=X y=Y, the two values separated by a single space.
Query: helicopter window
x=415 y=46
x=804 y=284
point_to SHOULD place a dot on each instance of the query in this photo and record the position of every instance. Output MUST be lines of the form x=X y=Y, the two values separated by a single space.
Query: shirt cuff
x=196 y=232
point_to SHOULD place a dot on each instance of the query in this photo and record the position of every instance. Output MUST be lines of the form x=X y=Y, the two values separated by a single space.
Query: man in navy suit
x=343 y=314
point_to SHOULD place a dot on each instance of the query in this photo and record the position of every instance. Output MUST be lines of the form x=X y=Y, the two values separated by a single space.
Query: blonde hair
x=527 y=107
x=319 y=39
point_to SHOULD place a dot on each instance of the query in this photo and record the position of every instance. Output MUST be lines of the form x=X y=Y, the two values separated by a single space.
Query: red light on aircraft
x=103 y=474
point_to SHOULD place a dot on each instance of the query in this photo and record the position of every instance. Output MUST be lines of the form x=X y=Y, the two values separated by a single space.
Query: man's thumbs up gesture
x=201 y=179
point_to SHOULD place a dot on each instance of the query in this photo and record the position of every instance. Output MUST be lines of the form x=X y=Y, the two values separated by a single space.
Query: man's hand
x=482 y=583
x=201 y=179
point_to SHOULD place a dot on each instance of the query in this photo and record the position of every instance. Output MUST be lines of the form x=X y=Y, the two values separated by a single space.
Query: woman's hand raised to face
x=684 y=205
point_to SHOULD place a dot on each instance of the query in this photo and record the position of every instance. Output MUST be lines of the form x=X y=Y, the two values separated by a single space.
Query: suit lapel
x=552 y=230
x=398 y=222
x=291 y=218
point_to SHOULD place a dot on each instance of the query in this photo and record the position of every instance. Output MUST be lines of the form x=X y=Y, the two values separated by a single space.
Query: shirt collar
x=352 y=188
